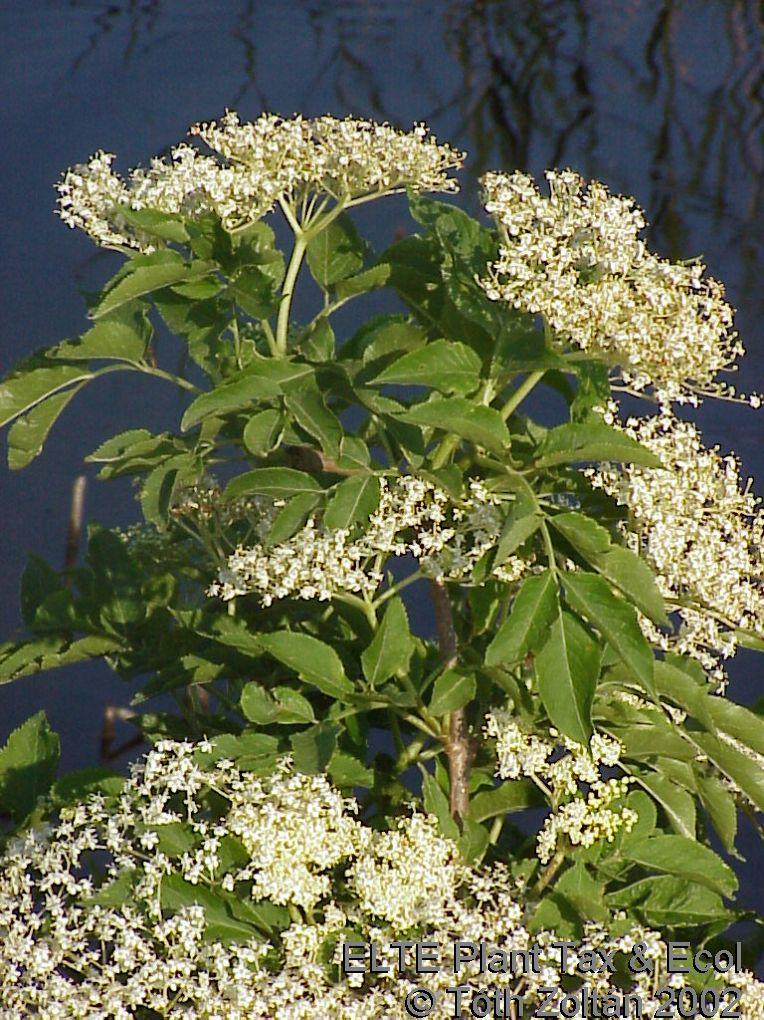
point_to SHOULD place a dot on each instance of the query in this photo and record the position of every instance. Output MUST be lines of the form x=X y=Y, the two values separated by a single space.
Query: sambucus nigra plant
x=588 y=582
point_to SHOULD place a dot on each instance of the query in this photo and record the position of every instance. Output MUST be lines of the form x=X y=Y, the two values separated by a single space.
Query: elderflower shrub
x=588 y=577
x=257 y=165
x=577 y=259
x=120 y=909
x=701 y=529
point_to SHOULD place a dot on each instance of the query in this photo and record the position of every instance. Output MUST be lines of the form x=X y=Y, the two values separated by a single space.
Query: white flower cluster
x=702 y=532
x=576 y=258
x=559 y=767
x=585 y=821
x=113 y=951
x=413 y=517
x=409 y=874
x=265 y=161
x=476 y=526
x=296 y=829
x=347 y=158
x=203 y=505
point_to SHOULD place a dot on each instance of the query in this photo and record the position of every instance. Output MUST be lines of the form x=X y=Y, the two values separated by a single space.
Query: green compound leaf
x=616 y=620
x=160 y=224
x=292 y=707
x=619 y=565
x=354 y=500
x=452 y=690
x=513 y=795
x=255 y=292
x=483 y=426
x=240 y=393
x=721 y=807
x=291 y=518
x=347 y=770
x=684 y=857
x=444 y=365
x=28 y=433
x=583 y=533
x=574 y=443
x=262 y=431
x=668 y=901
x=28 y=764
x=521 y=523
x=221 y=925
x=567 y=669
x=317 y=663
x=121 y=336
x=436 y=803
x=742 y=768
x=50 y=652
x=313 y=748
x=336 y=252
x=370 y=279
x=160 y=484
x=77 y=786
x=146 y=273
x=381 y=337
x=678 y=804
x=278 y=483
x=584 y=892
x=306 y=402
x=257 y=704
x=533 y=612
x=20 y=393
x=634 y=578
x=392 y=647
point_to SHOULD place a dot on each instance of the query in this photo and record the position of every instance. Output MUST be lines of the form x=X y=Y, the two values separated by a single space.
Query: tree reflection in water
x=662 y=98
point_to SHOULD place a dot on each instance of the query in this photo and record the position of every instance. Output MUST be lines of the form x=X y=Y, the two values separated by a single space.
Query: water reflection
x=663 y=98
x=139 y=20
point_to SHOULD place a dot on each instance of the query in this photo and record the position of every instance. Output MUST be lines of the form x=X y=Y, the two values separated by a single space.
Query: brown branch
x=74 y=530
x=459 y=749
x=306 y=459
x=111 y=715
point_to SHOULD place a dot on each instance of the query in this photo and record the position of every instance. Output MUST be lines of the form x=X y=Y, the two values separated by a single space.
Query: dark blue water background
x=662 y=100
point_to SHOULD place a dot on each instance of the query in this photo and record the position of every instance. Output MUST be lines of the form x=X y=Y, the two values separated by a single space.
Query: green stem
x=444 y=451
x=430 y=730
x=168 y=376
x=495 y=832
x=287 y=292
x=385 y=443
x=367 y=608
x=236 y=339
x=548 y=545
x=409 y=754
x=521 y=393
x=315 y=221
x=396 y=588
x=550 y=871
x=270 y=338
x=289 y=215
x=395 y=729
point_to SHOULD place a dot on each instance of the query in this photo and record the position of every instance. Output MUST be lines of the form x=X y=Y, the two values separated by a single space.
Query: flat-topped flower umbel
x=257 y=165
